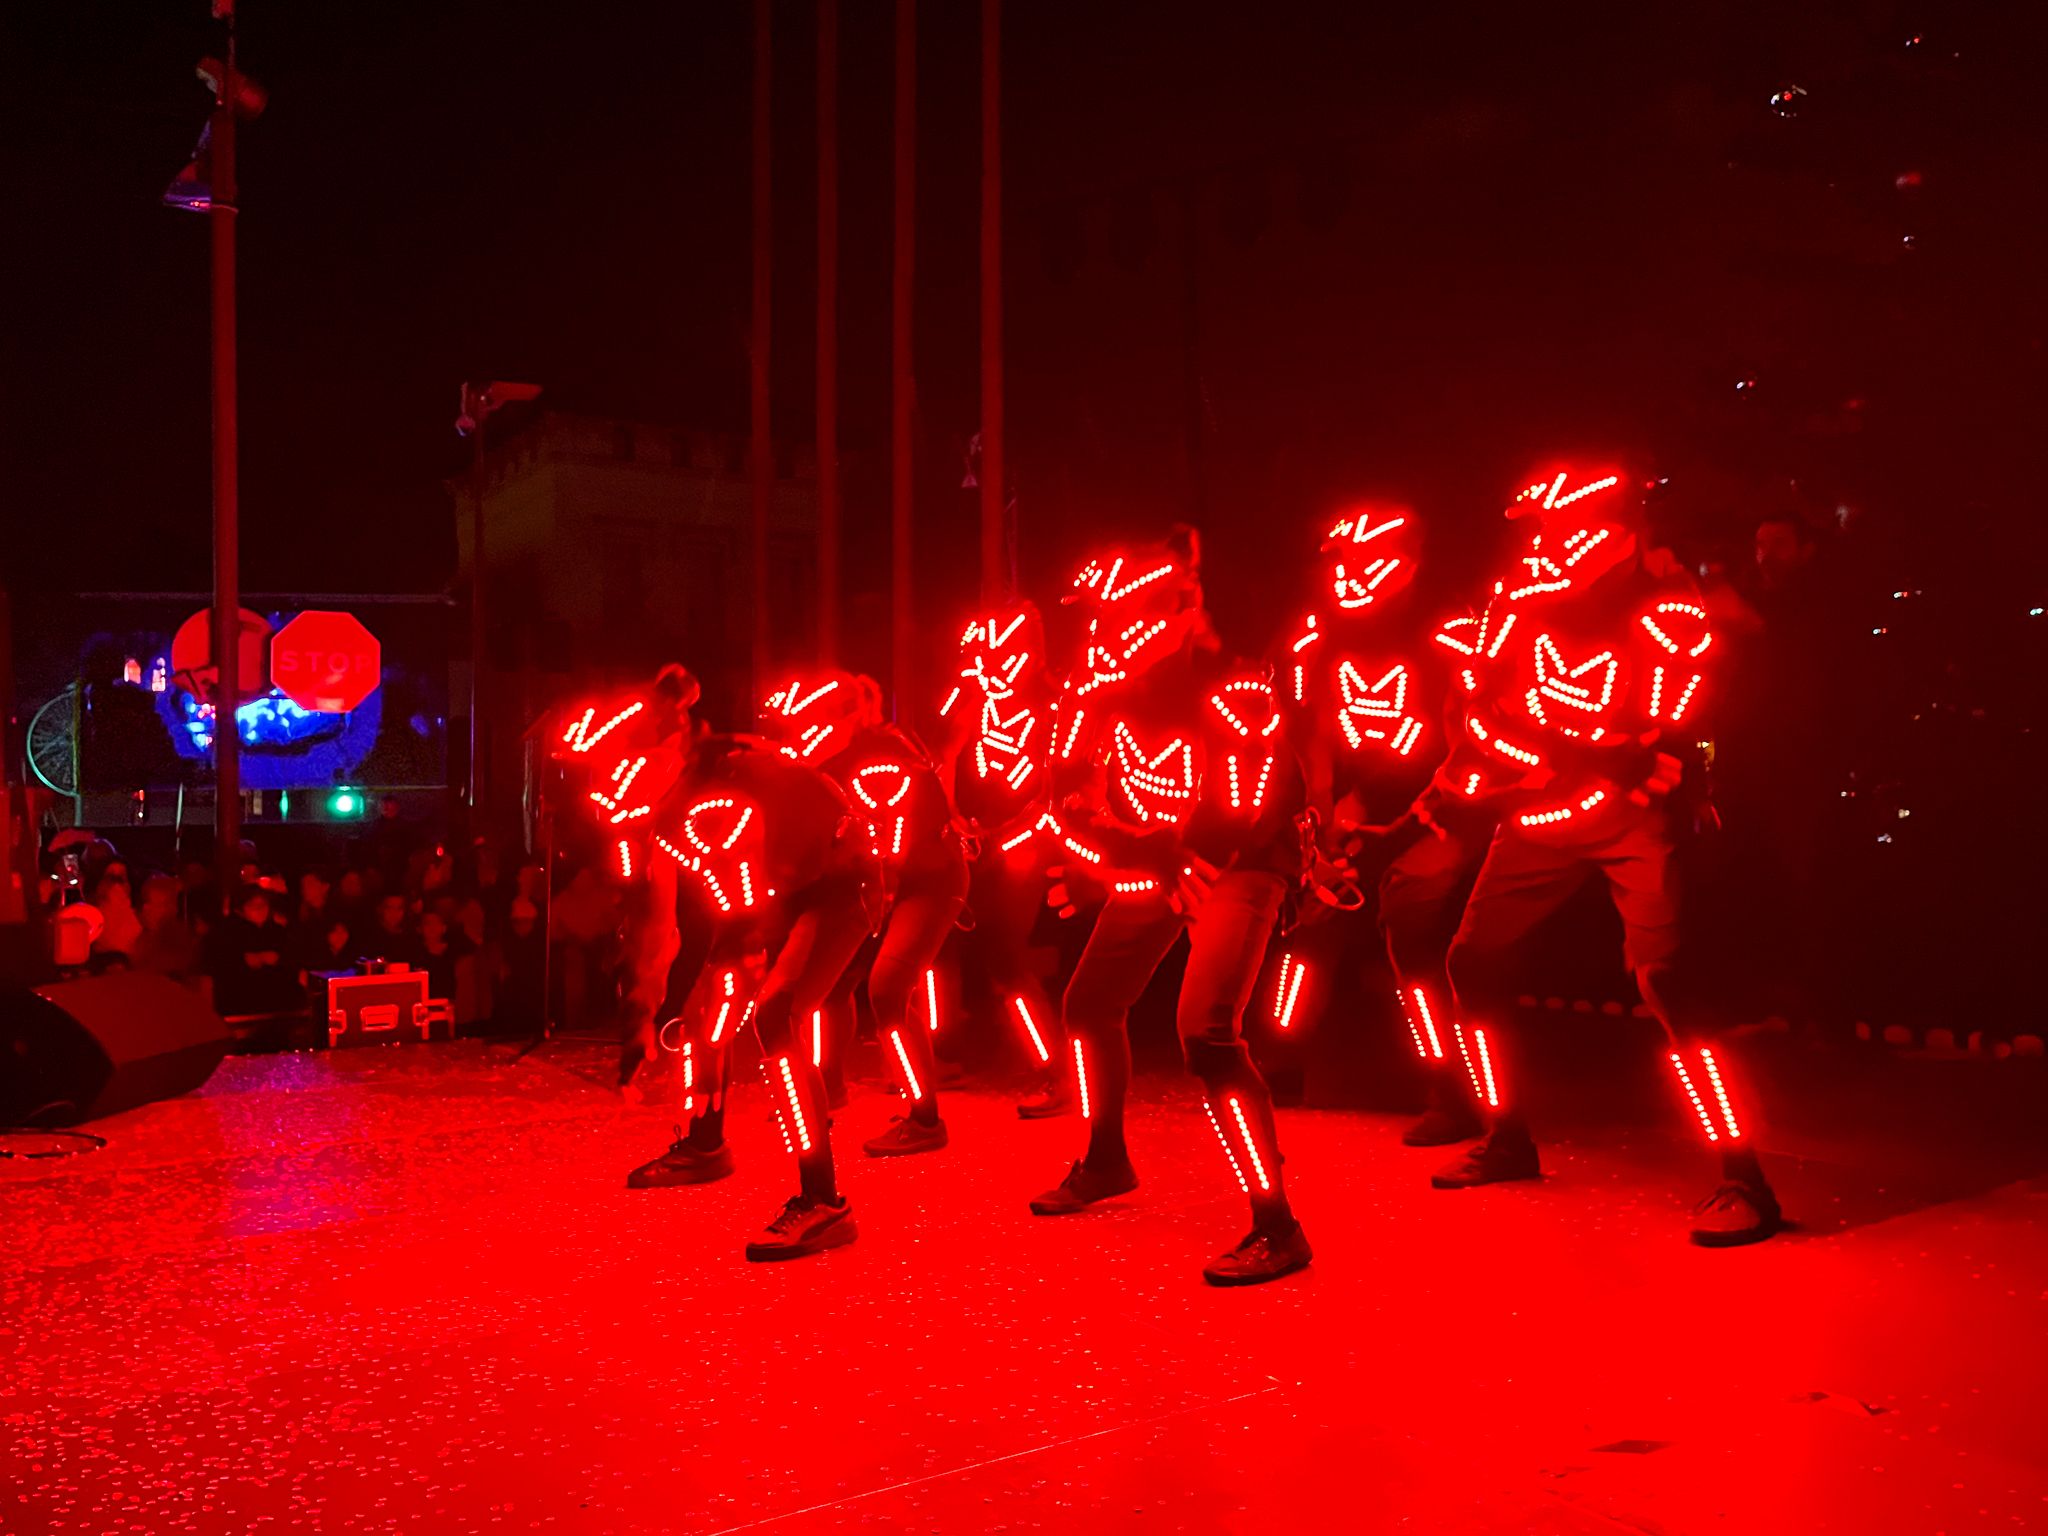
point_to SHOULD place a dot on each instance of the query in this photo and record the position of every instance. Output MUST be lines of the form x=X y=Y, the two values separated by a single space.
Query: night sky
x=1261 y=258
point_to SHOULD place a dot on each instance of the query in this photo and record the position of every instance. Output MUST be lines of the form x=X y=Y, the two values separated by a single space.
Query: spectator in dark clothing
x=250 y=972
x=440 y=947
x=167 y=945
x=311 y=920
x=519 y=999
x=390 y=935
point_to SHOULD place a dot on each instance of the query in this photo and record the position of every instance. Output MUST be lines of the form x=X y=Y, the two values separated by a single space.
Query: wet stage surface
x=406 y=1290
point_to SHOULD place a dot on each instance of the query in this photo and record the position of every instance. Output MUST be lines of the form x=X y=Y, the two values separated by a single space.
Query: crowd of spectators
x=391 y=898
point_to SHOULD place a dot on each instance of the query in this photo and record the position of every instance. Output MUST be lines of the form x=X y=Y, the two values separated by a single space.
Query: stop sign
x=192 y=655
x=326 y=661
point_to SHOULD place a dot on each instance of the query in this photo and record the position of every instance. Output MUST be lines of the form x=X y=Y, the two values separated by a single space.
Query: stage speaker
x=77 y=1050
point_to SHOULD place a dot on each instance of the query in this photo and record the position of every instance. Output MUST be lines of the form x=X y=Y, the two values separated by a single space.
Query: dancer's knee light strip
x=1081 y=1076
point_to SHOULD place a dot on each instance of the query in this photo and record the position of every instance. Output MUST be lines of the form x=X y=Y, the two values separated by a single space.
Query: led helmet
x=1369 y=556
x=814 y=717
x=1000 y=653
x=1141 y=604
x=1586 y=522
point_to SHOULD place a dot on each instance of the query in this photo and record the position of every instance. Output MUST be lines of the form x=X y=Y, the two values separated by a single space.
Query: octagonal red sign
x=326 y=661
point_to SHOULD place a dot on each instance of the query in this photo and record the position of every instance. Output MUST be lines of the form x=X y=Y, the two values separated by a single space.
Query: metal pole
x=828 y=330
x=476 y=617
x=227 y=594
x=995 y=575
x=761 y=452
x=903 y=386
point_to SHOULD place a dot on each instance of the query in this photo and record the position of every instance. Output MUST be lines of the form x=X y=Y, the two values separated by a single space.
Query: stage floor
x=406 y=1290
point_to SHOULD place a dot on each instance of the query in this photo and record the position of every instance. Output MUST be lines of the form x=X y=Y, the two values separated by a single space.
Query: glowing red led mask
x=1583 y=529
x=1140 y=605
x=1369 y=556
x=595 y=724
x=1000 y=656
x=813 y=718
x=627 y=798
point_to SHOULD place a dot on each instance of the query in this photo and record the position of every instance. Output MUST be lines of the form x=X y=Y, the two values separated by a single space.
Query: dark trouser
x=1008 y=894
x=818 y=944
x=1524 y=881
x=1421 y=896
x=926 y=907
x=1226 y=947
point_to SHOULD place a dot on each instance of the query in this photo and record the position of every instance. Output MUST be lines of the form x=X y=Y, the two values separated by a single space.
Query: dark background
x=1259 y=257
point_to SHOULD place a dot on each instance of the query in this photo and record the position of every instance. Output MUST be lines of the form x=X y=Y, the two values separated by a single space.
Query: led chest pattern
x=708 y=847
x=882 y=791
x=1250 y=716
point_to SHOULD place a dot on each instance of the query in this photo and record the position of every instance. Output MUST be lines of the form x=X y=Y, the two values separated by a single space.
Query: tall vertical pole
x=760 y=449
x=903 y=383
x=995 y=573
x=227 y=576
x=476 y=613
x=828 y=331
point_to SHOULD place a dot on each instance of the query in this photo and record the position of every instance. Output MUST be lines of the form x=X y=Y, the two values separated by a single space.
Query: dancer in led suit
x=616 y=758
x=1187 y=814
x=1364 y=705
x=1584 y=685
x=770 y=849
x=997 y=718
x=833 y=722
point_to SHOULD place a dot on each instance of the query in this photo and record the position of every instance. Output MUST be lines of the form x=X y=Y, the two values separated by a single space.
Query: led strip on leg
x=817 y=1037
x=787 y=1074
x=909 y=1075
x=1698 y=1104
x=1081 y=1077
x=1031 y=1028
x=1720 y=1093
x=1228 y=1150
x=1436 y=1045
x=1471 y=1061
x=1251 y=1147
x=1486 y=1069
x=1292 y=974
x=931 y=999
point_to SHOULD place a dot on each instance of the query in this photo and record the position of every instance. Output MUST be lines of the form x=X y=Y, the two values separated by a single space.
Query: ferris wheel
x=52 y=743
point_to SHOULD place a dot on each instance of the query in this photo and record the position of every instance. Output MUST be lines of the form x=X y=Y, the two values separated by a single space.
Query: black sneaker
x=1083 y=1187
x=805 y=1227
x=906 y=1137
x=1736 y=1214
x=1262 y=1256
x=1054 y=1099
x=683 y=1164
x=1442 y=1125
x=1504 y=1156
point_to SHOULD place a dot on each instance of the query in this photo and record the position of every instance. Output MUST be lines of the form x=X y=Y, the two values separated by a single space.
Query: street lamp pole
x=227 y=576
